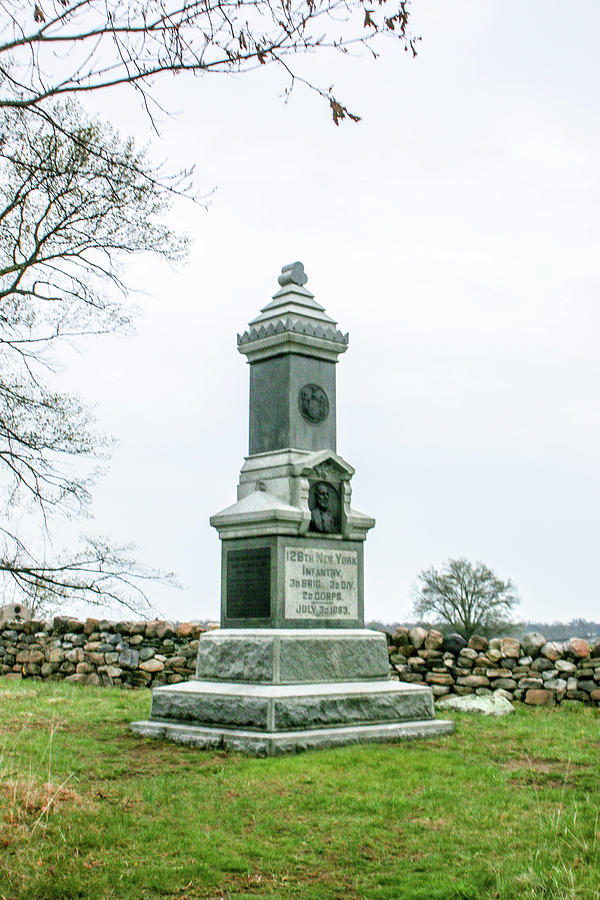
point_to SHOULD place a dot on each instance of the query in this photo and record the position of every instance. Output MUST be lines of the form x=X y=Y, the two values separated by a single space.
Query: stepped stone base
x=272 y=691
x=272 y=743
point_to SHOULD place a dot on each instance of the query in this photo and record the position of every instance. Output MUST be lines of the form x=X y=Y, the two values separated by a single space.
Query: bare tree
x=465 y=597
x=74 y=200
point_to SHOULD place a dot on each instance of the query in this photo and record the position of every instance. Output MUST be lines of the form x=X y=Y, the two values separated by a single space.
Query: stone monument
x=292 y=666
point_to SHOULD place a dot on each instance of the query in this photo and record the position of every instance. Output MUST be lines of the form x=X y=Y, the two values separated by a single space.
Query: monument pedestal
x=273 y=691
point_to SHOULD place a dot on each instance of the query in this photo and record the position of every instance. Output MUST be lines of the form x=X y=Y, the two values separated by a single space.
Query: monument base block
x=278 y=691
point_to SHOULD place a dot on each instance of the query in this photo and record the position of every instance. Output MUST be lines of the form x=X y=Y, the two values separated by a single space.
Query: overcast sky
x=454 y=233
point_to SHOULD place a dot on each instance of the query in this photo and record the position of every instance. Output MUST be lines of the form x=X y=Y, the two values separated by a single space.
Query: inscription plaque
x=321 y=584
x=249 y=584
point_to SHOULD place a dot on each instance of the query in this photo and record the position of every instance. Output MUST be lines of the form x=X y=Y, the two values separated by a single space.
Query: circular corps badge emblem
x=313 y=404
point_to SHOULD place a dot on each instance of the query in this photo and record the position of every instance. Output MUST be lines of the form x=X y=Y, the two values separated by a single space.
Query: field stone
x=541 y=664
x=454 y=643
x=478 y=642
x=563 y=665
x=84 y=668
x=535 y=683
x=539 y=697
x=175 y=661
x=187 y=629
x=496 y=673
x=556 y=684
x=532 y=643
x=510 y=647
x=146 y=653
x=578 y=648
x=486 y=706
x=502 y=693
x=476 y=681
x=552 y=650
x=113 y=672
x=152 y=665
x=438 y=678
x=434 y=640
x=415 y=662
x=595 y=649
x=129 y=659
x=397 y=659
x=507 y=684
x=64 y=624
x=417 y=637
x=401 y=637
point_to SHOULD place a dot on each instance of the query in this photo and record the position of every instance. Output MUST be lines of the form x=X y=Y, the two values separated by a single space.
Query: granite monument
x=292 y=666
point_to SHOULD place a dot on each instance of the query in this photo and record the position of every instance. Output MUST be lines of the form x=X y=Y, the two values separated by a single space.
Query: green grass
x=504 y=808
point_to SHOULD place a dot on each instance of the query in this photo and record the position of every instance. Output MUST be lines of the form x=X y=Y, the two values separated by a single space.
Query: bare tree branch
x=110 y=42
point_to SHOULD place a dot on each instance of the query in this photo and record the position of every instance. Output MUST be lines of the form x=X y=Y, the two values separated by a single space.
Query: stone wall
x=531 y=670
x=129 y=654
x=141 y=654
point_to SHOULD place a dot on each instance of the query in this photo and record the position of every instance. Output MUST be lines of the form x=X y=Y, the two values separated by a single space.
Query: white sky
x=454 y=233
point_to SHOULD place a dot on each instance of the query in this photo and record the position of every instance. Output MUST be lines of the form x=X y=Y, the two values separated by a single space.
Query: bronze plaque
x=324 y=505
x=249 y=584
x=313 y=404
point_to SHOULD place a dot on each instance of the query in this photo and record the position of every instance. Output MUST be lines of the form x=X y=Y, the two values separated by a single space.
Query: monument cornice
x=302 y=338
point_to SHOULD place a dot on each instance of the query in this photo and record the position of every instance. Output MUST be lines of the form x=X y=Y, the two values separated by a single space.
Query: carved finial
x=293 y=274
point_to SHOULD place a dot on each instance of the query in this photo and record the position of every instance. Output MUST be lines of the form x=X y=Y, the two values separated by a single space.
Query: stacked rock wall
x=531 y=670
x=129 y=654
x=141 y=654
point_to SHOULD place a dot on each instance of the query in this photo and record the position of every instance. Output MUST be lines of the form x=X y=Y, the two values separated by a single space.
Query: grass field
x=504 y=808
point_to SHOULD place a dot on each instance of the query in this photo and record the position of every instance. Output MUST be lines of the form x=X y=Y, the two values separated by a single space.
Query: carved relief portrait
x=324 y=504
x=313 y=404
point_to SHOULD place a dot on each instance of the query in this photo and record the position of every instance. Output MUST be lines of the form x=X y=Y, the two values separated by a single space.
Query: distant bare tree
x=465 y=597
